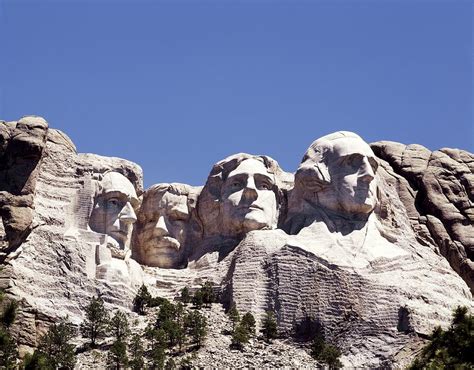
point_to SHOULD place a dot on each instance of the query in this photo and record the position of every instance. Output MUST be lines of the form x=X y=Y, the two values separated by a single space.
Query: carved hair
x=313 y=172
x=158 y=190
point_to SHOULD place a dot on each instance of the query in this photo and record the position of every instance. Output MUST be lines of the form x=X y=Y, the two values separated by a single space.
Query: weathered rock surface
x=374 y=262
x=437 y=188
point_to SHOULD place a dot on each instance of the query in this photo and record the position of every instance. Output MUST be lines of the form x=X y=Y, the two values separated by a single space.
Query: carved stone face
x=248 y=200
x=162 y=229
x=352 y=167
x=113 y=212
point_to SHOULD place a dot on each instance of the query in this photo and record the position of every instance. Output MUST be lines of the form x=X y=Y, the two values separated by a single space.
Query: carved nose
x=250 y=194
x=160 y=227
x=366 y=173
x=127 y=214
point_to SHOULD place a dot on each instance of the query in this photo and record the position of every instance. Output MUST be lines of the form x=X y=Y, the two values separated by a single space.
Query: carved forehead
x=165 y=201
x=251 y=166
x=114 y=182
x=336 y=145
x=350 y=145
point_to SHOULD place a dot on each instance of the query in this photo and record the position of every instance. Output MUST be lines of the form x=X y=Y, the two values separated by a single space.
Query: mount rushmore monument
x=374 y=243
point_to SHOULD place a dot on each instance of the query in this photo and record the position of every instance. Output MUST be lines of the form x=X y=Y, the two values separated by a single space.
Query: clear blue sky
x=178 y=85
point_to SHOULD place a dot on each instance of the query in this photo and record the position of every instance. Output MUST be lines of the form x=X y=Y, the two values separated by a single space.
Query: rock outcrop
x=368 y=244
x=437 y=188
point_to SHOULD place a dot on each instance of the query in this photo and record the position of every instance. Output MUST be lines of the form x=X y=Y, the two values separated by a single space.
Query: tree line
x=180 y=327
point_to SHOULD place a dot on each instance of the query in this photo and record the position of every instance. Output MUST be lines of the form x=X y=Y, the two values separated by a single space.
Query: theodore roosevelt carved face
x=162 y=225
x=113 y=213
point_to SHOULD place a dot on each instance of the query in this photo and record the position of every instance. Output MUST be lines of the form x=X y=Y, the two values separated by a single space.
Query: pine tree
x=240 y=336
x=8 y=350
x=141 y=300
x=325 y=353
x=451 y=348
x=95 y=324
x=185 y=296
x=35 y=361
x=55 y=348
x=119 y=327
x=197 y=325
x=269 y=326
x=198 y=299
x=248 y=322
x=208 y=296
x=137 y=351
x=117 y=356
x=157 y=357
x=234 y=315
x=8 y=346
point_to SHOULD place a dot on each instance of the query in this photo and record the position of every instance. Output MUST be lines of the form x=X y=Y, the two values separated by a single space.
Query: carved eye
x=113 y=203
x=265 y=186
x=235 y=185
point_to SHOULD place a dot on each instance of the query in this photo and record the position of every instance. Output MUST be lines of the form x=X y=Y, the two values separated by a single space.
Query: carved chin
x=120 y=236
x=163 y=255
x=255 y=221
x=161 y=245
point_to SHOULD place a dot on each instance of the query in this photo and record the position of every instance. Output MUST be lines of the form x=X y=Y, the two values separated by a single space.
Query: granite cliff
x=374 y=244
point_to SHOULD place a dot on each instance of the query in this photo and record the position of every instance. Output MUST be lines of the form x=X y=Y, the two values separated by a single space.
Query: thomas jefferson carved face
x=248 y=199
x=352 y=168
x=161 y=231
x=113 y=212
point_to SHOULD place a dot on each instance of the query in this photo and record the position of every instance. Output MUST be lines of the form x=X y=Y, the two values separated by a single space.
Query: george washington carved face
x=338 y=174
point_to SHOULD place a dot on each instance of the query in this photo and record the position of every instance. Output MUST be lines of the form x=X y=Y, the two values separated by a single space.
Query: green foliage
x=157 y=343
x=36 y=361
x=185 y=295
x=452 y=348
x=156 y=301
x=269 y=326
x=325 y=353
x=240 y=336
x=167 y=312
x=208 y=296
x=197 y=326
x=234 y=315
x=54 y=348
x=198 y=299
x=119 y=327
x=248 y=322
x=141 y=300
x=96 y=322
x=157 y=357
x=9 y=313
x=157 y=337
x=8 y=350
x=8 y=346
x=137 y=351
x=117 y=356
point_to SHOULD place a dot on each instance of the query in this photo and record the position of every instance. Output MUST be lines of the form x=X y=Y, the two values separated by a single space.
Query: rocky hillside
x=373 y=244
